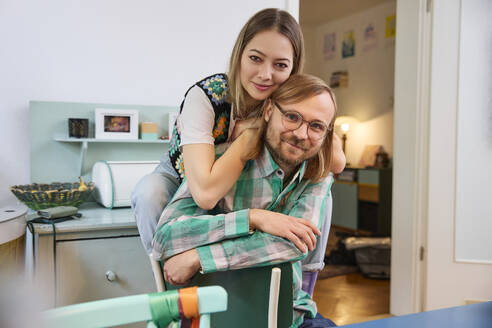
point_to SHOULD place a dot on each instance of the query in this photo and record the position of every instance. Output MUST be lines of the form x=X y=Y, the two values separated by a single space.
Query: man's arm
x=261 y=249
x=183 y=226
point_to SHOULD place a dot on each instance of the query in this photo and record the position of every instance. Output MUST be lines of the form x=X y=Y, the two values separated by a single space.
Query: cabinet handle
x=111 y=276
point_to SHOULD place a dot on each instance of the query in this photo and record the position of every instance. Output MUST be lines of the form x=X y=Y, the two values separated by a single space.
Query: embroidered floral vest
x=215 y=87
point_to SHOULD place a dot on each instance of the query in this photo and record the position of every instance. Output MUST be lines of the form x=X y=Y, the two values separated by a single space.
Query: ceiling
x=313 y=12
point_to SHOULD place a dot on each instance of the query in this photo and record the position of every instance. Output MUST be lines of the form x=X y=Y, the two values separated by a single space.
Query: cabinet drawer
x=369 y=176
x=344 y=204
x=81 y=267
x=368 y=193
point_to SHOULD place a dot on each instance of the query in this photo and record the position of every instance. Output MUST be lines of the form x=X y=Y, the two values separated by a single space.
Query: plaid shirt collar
x=267 y=166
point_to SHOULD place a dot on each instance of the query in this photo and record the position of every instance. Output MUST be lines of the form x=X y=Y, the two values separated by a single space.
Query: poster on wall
x=339 y=79
x=348 y=44
x=329 y=47
x=390 y=26
x=369 y=41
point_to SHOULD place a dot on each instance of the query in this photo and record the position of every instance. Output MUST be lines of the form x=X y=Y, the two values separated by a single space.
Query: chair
x=131 y=309
x=257 y=297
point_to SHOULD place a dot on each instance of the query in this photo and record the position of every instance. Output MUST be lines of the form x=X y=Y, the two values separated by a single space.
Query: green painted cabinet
x=344 y=204
x=365 y=203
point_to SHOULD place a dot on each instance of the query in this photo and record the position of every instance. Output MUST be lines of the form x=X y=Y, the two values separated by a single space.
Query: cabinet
x=94 y=257
x=365 y=203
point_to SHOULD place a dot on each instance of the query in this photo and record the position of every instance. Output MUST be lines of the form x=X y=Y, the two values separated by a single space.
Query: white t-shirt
x=197 y=119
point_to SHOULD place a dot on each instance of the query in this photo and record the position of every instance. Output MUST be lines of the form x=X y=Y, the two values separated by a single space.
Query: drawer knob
x=111 y=276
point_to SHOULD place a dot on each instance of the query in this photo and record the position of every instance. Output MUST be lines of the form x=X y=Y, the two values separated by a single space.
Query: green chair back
x=248 y=293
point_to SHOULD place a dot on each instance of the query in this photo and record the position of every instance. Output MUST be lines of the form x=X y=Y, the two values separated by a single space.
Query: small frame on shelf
x=78 y=127
x=116 y=123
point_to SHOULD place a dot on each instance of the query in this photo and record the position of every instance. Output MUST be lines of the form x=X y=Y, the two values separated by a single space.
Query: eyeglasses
x=293 y=121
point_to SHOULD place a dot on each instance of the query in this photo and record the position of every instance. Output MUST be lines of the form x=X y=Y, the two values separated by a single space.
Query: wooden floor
x=352 y=298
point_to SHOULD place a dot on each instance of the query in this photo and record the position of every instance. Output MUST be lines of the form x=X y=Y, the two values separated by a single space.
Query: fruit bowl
x=41 y=196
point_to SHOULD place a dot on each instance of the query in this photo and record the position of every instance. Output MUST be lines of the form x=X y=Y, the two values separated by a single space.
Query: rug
x=331 y=270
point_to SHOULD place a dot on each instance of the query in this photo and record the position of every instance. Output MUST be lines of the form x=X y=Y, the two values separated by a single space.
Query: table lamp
x=344 y=123
x=345 y=127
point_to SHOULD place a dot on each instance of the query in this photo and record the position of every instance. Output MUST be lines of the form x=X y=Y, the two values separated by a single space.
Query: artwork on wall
x=329 y=46
x=369 y=40
x=339 y=79
x=348 y=44
x=116 y=123
x=390 y=26
x=368 y=158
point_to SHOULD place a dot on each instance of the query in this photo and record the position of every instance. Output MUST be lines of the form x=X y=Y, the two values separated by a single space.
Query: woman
x=217 y=109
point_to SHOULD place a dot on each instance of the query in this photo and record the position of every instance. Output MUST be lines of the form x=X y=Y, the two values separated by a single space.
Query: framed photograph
x=116 y=123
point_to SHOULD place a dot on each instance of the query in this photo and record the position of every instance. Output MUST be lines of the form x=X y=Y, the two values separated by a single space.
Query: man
x=277 y=206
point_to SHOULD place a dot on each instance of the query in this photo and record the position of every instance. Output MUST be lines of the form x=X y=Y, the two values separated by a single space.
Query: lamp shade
x=344 y=123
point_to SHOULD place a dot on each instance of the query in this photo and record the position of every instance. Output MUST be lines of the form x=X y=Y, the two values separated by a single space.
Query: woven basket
x=41 y=196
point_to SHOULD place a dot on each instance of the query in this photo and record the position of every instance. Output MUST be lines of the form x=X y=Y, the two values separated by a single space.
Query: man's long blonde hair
x=297 y=88
x=267 y=19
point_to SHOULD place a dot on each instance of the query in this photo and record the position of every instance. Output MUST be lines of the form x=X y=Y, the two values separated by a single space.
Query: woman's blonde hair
x=297 y=88
x=267 y=19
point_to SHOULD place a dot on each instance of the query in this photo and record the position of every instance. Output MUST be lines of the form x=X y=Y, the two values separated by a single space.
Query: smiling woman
x=262 y=71
x=268 y=50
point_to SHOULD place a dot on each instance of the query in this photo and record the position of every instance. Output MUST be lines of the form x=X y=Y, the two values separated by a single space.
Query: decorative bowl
x=40 y=196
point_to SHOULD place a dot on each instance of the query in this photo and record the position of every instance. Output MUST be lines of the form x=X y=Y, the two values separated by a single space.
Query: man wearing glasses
x=274 y=212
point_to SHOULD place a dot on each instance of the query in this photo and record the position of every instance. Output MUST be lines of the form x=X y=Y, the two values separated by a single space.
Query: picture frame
x=116 y=124
x=78 y=127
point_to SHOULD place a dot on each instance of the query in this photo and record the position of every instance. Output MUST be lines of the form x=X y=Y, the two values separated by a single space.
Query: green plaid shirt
x=222 y=236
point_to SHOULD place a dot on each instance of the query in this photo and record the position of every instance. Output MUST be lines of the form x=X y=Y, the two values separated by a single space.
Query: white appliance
x=114 y=181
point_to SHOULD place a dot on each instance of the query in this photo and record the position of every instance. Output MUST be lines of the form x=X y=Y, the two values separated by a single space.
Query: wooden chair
x=130 y=309
x=257 y=297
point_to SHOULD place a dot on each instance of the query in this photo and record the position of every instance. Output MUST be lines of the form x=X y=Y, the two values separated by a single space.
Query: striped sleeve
x=261 y=249
x=183 y=226
x=257 y=249
x=312 y=202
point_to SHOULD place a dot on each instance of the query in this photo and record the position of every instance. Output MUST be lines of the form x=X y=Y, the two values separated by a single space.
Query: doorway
x=351 y=45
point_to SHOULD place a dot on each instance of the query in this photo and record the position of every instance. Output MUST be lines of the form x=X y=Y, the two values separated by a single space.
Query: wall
x=125 y=52
x=474 y=135
x=461 y=57
x=369 y=95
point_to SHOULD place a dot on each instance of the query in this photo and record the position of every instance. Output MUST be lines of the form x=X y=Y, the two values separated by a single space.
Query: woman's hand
x=300 y=232
x=338 y=159
x=243 y=125
x=247 y=134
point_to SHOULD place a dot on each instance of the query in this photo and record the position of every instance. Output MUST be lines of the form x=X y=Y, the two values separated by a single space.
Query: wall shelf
x=86 y=141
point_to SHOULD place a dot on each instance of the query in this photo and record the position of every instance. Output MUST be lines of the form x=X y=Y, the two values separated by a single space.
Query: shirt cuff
x=236 y=224
x=212 y=258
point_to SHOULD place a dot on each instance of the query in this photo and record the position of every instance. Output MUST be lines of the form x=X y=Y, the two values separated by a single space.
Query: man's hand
x=301 y=232
x=179 y=269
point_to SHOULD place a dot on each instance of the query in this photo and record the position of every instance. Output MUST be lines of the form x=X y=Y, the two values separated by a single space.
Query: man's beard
x=278 y=157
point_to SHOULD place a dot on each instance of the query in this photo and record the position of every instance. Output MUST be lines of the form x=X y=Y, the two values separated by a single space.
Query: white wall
x=126 y=52
x=369 y=95
x=474 y=135
x=449 y=283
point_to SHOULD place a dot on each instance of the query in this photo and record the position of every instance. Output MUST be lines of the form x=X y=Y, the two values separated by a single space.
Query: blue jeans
x=317 y=322
x=149 y=197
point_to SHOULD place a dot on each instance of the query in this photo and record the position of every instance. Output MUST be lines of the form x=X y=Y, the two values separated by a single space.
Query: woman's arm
x=209 y=179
